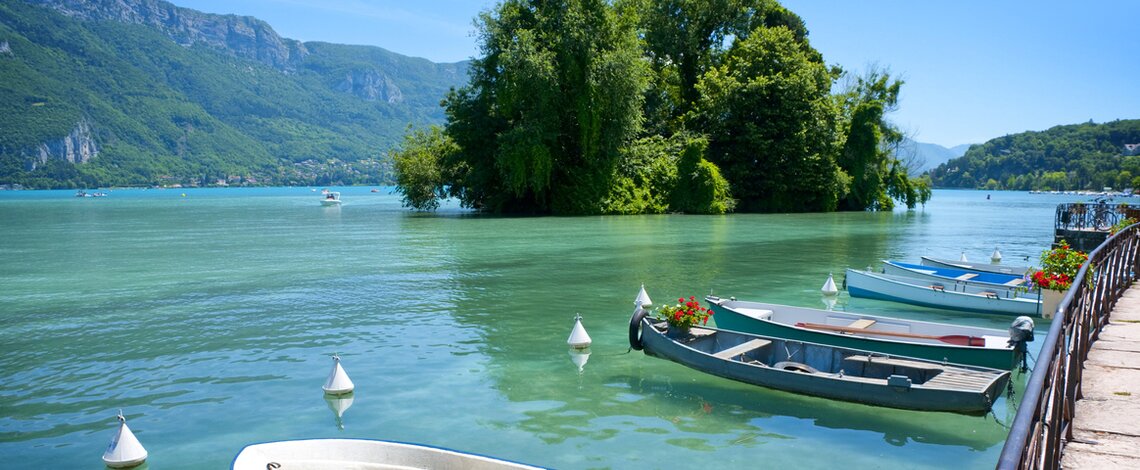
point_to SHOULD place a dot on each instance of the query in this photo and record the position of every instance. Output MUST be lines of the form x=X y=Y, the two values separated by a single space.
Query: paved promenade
x=1106 y=427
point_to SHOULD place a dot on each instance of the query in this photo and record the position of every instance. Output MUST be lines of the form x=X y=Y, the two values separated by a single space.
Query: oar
x=961 y=340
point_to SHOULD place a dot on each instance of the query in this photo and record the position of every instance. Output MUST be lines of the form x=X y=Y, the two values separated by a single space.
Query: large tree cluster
x=641 y=106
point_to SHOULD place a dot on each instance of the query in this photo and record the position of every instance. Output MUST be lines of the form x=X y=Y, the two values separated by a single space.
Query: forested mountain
x=1071 y=157
x=142 y=92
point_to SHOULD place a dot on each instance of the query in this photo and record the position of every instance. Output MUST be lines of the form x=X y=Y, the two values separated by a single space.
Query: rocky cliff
x=241 y=36
x=78 y=146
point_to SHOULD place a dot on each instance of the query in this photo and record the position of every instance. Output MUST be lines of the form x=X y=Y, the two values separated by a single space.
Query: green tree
x=877 y=178
x=555 y=96
x=684 y=39
x=419 y=171
x=770 y=120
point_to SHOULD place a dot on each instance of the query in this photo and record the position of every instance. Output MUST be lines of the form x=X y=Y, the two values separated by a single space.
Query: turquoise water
x=208 y=316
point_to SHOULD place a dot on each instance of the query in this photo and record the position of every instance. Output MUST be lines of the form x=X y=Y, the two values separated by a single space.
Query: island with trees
x=636 y=106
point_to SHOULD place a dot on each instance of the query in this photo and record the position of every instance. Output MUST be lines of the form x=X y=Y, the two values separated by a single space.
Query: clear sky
x=974 y=69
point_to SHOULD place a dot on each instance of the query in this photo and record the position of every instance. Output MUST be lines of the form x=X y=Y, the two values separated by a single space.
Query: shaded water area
x=208 y=316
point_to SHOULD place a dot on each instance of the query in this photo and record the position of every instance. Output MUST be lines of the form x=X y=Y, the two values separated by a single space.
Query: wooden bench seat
x=1015 y=282
x=742 y=348
x=894 y=362
x=967 y=276
x=861 y=323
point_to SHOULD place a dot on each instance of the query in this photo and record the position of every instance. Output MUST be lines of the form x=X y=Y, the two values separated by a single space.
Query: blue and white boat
x=978 y=267
x=908 y=290
x=953 y=275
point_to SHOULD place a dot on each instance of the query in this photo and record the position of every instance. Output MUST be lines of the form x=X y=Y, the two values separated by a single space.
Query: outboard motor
x=1020 y=334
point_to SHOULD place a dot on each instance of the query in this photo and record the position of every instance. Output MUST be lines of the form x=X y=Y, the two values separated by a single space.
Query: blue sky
x=974 y=69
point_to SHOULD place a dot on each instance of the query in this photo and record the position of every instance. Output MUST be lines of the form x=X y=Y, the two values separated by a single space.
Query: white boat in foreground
x=322 y=454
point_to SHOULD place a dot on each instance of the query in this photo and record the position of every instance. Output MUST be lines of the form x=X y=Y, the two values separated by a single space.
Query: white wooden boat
x=986 y=347
x=955 y=275
x=331 y=198
x=995 y=300
x=826 y=371
x=323 y=454
x=980 y=267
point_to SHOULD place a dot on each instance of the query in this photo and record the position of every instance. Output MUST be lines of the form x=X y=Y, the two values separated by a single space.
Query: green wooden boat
x=985 y=347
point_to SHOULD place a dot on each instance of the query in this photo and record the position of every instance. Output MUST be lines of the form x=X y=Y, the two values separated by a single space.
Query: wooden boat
x=313 y=454
x=967 y=298
x=977 y=346
x=827 y=371
x=979 y=267
x=954 y=275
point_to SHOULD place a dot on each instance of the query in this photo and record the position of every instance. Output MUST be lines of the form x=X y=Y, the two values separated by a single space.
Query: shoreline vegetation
x=631 y=107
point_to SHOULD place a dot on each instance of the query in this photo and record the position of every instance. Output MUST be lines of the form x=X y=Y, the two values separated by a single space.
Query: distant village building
x=1131 y=149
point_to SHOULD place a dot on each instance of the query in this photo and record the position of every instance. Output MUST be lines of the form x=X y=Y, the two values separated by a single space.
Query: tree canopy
x=639 y=106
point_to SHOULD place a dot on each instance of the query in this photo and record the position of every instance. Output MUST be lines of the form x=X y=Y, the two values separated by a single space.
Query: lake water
x=208 y=316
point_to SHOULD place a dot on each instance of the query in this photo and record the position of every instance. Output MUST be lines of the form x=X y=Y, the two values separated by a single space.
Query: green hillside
x=1072 y=157
x=90 y=102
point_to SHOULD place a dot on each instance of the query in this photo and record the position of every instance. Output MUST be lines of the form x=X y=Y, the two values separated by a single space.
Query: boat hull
x=911 y=291
x=362 y=453
x=955 y=276
x=989 y=268
x=740 y=316
x=822 y=372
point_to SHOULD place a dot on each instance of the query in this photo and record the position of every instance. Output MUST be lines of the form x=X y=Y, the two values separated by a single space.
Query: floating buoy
x=125 y=450
x=829 y=288
x=642 y=299
x=338 y=382
x=339 y=404
x=579 y=358
x=996 y=257
x=579 y=339
x=963 y=258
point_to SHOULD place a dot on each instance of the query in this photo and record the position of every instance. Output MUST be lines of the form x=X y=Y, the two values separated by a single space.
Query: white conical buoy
x=125 y=449
x=996 y=257
x=579 y=339
x=642 y=299
x=963 y=258
x=829 y=288
x=579 y=358
x=338 y=382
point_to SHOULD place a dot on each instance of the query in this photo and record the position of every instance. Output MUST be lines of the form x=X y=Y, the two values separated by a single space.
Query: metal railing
x=1044 y=420
x=1094 y=216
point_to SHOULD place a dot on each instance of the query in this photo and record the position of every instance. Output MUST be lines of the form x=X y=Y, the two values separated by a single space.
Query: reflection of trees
x=521 y=280
x=655 y=403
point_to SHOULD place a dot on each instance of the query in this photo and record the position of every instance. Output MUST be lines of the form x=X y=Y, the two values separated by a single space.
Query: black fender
x=635 y=328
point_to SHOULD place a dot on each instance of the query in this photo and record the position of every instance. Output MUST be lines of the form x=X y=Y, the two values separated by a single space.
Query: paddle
x=961 y=340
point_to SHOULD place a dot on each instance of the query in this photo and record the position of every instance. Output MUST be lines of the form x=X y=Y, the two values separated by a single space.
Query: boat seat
x=742 y=348
x=757 y=313
x=894 y=362
x=861 y=323
x=967 y=276
x=1015 y=282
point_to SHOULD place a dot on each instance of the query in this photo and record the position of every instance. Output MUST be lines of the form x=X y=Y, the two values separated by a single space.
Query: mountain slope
x=140 y=92
x=1078 y=156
